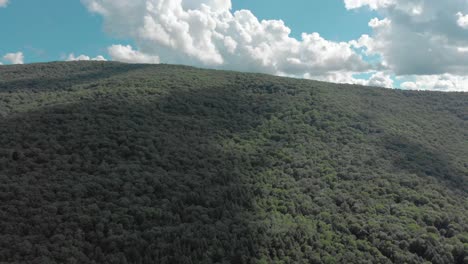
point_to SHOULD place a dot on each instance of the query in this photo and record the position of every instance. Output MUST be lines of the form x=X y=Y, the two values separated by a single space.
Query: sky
x=404 y=44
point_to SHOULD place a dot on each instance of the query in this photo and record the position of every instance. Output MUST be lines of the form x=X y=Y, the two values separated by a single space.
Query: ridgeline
x=104 y=162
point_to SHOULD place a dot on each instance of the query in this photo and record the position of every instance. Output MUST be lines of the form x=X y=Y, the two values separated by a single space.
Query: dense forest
x=104 y=162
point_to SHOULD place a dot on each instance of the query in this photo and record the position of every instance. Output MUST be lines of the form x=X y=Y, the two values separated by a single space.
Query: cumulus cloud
x=372 y=4
x=376 y=23
x=422 y=42
x=208 y=33
x=338 y=77
x=377 y=78
x=419 y=37
x=3 y=3
x=443 y=82
x=380 y=79
x=462 y=20
x=71 y=57
x=14 y=58
x=127 y=54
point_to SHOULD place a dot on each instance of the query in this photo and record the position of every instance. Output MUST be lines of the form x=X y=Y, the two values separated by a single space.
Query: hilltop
x=105 y=162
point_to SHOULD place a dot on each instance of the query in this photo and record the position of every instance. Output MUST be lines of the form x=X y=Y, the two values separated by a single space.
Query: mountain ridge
x=121 y=163
x=183 y=66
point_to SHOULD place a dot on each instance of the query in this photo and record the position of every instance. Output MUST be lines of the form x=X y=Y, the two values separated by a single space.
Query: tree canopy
x=104 y=162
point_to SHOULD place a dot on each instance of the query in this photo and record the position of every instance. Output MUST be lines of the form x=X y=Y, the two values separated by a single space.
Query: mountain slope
x=106 y=162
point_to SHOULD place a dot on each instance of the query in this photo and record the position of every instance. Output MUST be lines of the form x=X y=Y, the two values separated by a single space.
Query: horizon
x=146 y=155
x=233 y=71
x=418 y=45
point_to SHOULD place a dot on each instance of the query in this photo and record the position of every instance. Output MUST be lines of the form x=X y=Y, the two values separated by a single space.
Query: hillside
x=106 y=162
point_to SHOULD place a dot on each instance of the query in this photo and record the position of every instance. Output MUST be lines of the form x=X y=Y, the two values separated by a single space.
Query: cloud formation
x=427 y=39
x=207 y=33
x=3 y=3
x=14 y=58
x=71 y=57
x=412 y=39
x=462 y=20
x=443 y=82
x=127 y=54
x=421 y=37
x=372 y=4
x=377 y=78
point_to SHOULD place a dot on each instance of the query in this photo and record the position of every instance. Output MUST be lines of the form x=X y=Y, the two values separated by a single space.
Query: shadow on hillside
x=113 y=180
x=415 y=158
x=62 y=76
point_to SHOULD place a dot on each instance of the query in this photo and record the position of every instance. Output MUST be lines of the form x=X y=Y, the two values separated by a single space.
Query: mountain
x=104 y=162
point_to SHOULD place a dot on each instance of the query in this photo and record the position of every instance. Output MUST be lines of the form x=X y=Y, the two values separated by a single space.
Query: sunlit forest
x=105 y=162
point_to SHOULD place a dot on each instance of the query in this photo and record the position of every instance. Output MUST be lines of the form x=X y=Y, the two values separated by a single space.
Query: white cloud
x=99 y=58
x=207 y=33
x=379 y=23
x=3 y=3
x=378 y=79
x=419 y=37
x=410 y=38
x=462 y=20
x=338 y=77
x=409 y=85
x=443 y=82
x=127 y=54
x=71 y=57
x=372 y=4
x=14 y=58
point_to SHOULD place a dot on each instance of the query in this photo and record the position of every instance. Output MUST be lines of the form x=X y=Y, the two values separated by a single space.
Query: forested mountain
x=104 y=162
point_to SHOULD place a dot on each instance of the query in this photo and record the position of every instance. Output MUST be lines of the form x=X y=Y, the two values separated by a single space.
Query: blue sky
x=48 y=30
x=330 y=18
x=370 y=42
